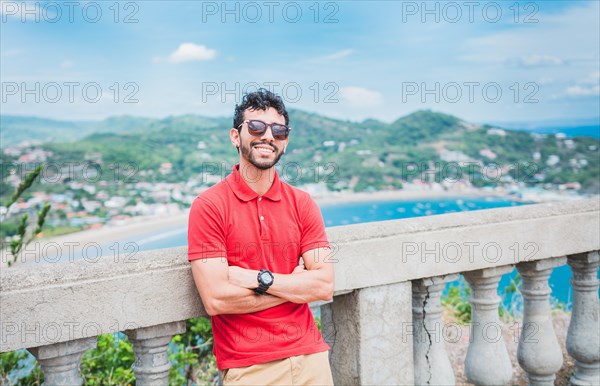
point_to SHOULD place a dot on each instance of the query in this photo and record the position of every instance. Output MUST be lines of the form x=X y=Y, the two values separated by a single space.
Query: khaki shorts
x=311 y=369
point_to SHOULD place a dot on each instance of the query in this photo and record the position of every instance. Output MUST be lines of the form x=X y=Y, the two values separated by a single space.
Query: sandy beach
x=137 y=226
x=73 y=243
x=142 y=225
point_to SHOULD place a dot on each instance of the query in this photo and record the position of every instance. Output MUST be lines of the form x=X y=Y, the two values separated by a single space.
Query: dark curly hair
x=261 y=99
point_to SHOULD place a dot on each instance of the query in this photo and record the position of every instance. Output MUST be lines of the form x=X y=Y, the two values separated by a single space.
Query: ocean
x=369 y=211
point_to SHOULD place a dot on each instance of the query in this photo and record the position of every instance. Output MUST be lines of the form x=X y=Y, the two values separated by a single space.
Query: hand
x=243 y=277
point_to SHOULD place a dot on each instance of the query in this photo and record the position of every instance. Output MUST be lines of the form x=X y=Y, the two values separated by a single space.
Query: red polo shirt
x=271 y=231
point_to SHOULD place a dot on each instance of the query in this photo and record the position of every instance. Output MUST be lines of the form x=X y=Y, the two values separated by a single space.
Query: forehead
x=269 y=115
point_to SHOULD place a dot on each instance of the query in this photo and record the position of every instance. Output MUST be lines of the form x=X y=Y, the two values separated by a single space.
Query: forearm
x=233 y=299
x=304 y=287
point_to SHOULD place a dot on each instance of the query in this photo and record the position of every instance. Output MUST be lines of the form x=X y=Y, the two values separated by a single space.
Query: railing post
x=365 y=329
x=487 y=362
x=60 y=361
x=432 y=365
x=583 y=338
x=539 y=353
x=150 y=346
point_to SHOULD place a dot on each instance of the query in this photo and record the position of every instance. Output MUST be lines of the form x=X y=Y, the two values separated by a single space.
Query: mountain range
x=368 y=155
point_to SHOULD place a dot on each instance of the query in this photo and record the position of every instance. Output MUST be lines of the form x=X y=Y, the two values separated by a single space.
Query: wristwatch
x=265 y=279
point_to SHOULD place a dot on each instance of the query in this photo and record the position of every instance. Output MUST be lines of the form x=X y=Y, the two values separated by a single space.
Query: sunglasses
x=258 y=128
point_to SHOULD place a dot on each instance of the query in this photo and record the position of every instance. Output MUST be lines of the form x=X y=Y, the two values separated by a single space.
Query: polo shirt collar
x=241 y=189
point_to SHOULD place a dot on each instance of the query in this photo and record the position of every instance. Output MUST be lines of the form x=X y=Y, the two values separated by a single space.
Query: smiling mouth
x=264 y=149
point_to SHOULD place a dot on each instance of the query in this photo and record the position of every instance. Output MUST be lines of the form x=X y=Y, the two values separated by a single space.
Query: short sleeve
x=313 y=229
x=206 y=231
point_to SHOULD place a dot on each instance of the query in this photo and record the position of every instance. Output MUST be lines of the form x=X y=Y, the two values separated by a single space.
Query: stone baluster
x=432 y=365
x=60 y=361
x=150 y=346
x=539 y=353
x=487 y=361
x=366 y=332
x=583 y=338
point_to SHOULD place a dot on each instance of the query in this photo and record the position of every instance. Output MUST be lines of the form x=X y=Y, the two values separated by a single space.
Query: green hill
x=368 y=155
x=16 y=129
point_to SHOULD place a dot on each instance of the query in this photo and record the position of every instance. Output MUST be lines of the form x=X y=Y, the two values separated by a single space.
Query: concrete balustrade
x=150 y=346
x=432 y=366
x=539 y=353
x=353 y=326
x=384 y=272
x=583 y=338
x=487 y=361
x=60 y=361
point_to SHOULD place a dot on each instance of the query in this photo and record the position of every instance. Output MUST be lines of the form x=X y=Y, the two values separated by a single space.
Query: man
x=246 y=235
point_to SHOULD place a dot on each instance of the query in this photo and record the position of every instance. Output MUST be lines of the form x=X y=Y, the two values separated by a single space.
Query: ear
x=234 y=136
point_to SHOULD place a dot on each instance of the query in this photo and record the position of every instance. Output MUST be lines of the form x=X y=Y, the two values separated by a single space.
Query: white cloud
x=588 y=86
x=539 y=60
x=67 y=64
x=578 y=91
x=361 y=97
x=593 y=78
x=334 y=56
x=562 y=38
x=189 y=52
x=546 y=81
x=562 y=47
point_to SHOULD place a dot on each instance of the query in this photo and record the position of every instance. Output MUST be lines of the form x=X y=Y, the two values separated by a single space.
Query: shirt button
x=260 y=199
x=262 y=218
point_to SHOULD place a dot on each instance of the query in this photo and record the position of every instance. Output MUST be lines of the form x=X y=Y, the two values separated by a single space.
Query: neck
x=257 y=179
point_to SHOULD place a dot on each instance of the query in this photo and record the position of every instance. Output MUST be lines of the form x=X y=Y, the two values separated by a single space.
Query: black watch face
x=266 y=278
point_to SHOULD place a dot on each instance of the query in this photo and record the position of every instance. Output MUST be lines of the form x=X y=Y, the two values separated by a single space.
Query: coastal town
x=92 y=194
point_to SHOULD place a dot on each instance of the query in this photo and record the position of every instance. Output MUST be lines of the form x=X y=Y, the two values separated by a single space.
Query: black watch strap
x=261 y=289
x=262 y=286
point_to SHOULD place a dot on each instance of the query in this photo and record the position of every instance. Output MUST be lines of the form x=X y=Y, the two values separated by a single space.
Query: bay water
x=368 y=211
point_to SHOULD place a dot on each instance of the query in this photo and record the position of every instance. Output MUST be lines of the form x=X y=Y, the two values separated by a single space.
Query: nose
x=268 y=135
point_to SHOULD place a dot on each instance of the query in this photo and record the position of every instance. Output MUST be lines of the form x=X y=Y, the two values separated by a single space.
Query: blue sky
x=482 y=61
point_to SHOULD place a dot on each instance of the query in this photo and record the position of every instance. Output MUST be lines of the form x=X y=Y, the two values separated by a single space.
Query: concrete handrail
x=49 y=303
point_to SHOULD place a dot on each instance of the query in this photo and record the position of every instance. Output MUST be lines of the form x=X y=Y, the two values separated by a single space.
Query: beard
x=262 y=163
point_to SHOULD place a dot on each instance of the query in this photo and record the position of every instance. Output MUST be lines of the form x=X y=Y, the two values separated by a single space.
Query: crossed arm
x=228 y=289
